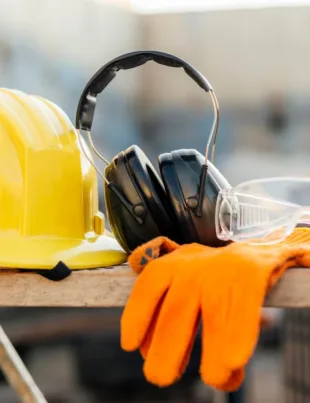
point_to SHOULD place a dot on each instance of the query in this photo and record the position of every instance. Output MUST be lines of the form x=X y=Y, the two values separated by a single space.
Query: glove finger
x=234 y=382
x=138 y=314
x=149 y=335
x=166 y=247
x=243 y=324
x=245 y=308
x=213 y=368
x=187 y=355
x=146 y=344
x=147 y=340
x=173 y=336
x=230 y=334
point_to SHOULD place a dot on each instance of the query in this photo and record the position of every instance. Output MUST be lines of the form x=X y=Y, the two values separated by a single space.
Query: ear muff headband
x=101 y=79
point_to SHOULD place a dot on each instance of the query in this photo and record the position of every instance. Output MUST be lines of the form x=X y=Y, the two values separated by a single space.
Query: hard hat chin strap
x=57 y=273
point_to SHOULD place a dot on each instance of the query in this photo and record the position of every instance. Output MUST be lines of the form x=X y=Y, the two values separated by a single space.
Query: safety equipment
x=141 y=205
x=228 y=287
x=48 y=191
x=263 y=211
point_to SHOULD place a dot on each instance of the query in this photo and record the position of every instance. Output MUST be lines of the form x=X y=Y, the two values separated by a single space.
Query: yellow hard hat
x=48 y=191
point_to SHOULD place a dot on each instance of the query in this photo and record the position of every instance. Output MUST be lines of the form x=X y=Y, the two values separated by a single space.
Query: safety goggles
x=263 y=211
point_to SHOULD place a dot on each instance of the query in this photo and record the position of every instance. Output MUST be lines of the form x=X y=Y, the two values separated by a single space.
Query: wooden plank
x=83 y=288
x=110 y=287
x=292 y=291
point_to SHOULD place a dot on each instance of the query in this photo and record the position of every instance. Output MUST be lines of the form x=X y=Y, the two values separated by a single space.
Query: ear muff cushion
x=152 y=191
x=127 y=230
x=138 y=182
x=172 y=178
x=116 y=212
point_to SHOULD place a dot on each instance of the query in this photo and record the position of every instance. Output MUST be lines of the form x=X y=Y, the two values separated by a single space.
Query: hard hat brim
x=45 y=253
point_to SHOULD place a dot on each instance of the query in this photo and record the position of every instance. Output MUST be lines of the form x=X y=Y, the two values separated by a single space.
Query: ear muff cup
x=172 y=172
x=137 y=180
x=180 y=171
x=115 y=210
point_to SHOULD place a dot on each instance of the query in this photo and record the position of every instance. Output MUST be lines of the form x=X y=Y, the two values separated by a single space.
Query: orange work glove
x=223 y=287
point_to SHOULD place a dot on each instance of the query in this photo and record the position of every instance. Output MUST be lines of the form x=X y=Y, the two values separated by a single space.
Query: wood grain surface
x=110 y=287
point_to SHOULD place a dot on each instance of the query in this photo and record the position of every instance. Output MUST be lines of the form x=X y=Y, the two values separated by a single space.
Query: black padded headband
x=101 y=79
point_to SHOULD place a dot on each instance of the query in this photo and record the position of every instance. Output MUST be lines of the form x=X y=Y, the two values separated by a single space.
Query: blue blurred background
x=257 y=59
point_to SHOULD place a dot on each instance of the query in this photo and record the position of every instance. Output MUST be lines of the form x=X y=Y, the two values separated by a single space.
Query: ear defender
x=143 y=212
x=141 y=205
x=181 y=172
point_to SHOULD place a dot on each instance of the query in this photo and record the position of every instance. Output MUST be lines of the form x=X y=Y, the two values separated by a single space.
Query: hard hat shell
x=48 y=191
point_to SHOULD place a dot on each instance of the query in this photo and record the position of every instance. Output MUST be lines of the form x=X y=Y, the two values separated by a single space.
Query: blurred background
x=256 y=54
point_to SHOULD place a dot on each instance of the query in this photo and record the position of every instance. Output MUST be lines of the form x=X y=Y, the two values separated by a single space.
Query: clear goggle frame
x=263 y=211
